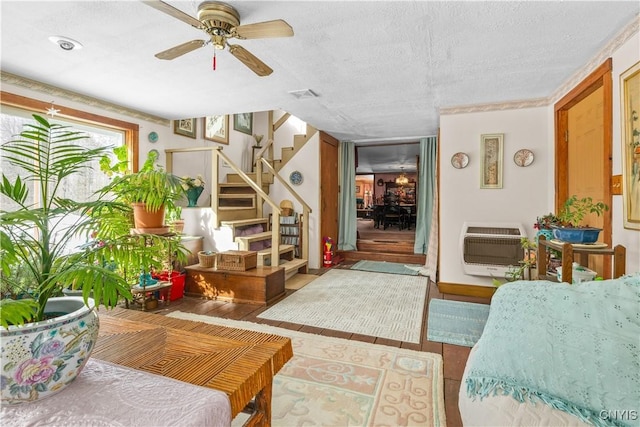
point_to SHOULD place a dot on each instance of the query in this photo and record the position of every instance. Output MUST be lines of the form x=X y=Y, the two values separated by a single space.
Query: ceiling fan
x=222 y=22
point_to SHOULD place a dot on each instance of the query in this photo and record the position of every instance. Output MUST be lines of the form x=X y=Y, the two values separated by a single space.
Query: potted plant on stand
x=153 y=246
x=150 y=191
x=46 y=338
x=569 y=228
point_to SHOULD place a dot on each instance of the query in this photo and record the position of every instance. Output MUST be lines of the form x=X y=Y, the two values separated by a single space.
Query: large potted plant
x=46 y=338
x=150 y=191
x=570 y=228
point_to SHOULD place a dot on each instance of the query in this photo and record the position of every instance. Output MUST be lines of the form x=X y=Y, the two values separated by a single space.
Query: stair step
x=265 y=254
x=243 y=223
x=291 y=268
x=234 y=177
x=244 y=241
x=234 y=213
x=239 y=188
x=237 y=200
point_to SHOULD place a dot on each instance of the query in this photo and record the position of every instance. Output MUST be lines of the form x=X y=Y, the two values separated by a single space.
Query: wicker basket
x=207 y=259
x=237 y=260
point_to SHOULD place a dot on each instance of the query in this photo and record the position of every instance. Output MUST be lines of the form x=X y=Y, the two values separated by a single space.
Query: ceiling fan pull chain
x=214 y=60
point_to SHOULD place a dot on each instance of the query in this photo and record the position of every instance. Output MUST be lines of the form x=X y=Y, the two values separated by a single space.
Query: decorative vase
x=42 y=358
x=192 y=196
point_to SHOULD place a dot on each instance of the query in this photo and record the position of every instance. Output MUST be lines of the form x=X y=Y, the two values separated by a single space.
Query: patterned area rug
x=456 y=322
x=385 y=267
x=374 y=304
x=336 y=382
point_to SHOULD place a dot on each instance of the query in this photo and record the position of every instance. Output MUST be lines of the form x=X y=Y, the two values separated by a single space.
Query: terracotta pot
x=143 y=218
x=40 y=359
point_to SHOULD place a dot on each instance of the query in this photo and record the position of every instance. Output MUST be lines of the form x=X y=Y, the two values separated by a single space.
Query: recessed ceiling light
x=65 y=43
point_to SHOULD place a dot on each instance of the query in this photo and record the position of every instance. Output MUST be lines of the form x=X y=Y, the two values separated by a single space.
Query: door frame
x=601 y=77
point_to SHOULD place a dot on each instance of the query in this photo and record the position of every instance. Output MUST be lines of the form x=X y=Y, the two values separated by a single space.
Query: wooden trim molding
x=466 y=290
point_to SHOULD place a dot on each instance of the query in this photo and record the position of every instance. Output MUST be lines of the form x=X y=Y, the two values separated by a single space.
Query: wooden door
x=586 y=164
x=583 y=150
x=328 y=189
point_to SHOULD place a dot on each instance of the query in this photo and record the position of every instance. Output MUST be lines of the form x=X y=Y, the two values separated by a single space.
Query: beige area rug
x=299 y=281
x=337 y=382
x=361 y=302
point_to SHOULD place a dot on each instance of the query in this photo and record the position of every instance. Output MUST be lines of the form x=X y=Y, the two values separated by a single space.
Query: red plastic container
x=177 y=283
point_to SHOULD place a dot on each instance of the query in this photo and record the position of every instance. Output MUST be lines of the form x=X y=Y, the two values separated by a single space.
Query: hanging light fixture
x=402 y=178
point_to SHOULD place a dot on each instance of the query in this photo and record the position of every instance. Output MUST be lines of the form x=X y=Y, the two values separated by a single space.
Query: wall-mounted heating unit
x=488 y=249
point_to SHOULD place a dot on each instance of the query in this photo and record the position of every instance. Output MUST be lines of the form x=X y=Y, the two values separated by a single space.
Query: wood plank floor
x=455 y=357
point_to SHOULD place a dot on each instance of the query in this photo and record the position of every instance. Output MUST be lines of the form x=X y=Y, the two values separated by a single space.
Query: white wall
x=623 y=58
x=528 y=192
x=524 y=192
x=307 y=162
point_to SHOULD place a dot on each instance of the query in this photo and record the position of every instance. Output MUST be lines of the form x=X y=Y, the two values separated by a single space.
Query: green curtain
x=427 y=196
x=347 y=225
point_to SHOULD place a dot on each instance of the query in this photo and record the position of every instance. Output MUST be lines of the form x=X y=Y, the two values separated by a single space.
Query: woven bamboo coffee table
x=238 y=362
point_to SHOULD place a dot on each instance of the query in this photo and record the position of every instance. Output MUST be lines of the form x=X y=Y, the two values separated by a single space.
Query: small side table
x=163 y=288
x=570 y=253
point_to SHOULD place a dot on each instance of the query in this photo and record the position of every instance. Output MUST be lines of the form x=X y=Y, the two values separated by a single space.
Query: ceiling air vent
x=304 y=93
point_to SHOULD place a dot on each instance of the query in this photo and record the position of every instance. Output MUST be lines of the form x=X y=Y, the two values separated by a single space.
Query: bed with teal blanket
x=557 y=354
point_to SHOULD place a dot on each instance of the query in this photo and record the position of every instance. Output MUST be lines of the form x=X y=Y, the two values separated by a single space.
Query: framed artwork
x=357 y=189
x=185 y=127
x=243 y=122
x=630 y=98
x=216 y=128
x=491 y=160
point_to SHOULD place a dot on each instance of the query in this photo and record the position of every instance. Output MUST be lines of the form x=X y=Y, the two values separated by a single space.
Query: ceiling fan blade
x=248 y=59
x=260 y=30
x=172 y=11
x=181 y=49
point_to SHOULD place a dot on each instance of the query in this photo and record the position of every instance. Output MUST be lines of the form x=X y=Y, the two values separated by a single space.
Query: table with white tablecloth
x=106 y=394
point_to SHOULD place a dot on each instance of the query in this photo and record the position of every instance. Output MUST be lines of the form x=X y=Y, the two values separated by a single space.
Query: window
x=85 y=183
x=102 y=132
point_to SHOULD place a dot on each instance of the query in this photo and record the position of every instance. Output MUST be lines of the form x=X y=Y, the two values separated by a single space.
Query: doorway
x=584 y=149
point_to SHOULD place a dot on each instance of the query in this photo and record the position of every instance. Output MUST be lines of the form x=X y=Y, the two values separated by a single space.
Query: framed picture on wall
x=216 y=128
x=243 y=122
x=491 y=159
x=185 y=127
x=629 y=113
x=357 y=189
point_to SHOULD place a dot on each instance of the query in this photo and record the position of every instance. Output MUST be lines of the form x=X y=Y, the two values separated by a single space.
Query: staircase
x=238 y=211
x=237 y=204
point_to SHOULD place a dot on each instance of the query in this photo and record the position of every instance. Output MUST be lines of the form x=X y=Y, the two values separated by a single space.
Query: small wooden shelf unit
x=570 y=253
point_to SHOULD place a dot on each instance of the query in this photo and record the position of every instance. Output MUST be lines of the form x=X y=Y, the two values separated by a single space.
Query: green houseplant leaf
x=36 y=260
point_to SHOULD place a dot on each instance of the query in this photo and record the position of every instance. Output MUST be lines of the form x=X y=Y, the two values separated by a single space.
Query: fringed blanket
x=573 y=347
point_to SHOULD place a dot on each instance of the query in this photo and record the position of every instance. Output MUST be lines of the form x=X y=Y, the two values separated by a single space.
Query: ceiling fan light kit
x=222 y=22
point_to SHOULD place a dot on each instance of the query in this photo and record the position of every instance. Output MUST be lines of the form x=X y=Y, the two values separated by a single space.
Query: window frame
x=131 y=130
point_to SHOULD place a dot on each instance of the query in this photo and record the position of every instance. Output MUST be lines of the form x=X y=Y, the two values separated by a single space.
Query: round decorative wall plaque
x=460 y=160
x=153 y=137
x=523 y=158
x=295 y=178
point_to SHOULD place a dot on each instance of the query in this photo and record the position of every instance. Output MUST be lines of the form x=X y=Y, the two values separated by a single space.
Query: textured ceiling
x=381 y=70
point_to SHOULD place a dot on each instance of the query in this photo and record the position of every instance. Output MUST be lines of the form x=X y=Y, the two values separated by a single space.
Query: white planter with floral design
x=42 y=358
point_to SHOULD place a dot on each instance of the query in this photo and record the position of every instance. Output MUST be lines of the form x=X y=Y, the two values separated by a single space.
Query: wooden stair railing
x=217 y=155
x=306 y=210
